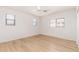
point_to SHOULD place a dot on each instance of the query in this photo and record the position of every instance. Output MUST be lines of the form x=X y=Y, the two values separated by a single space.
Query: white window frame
x=52 y=23
x=34 y=22
x=10 y=19
x=60 y=22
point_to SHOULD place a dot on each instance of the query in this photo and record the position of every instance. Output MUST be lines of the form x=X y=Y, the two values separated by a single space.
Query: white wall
x=68 y=32
x=23 y=27
x=78 y=26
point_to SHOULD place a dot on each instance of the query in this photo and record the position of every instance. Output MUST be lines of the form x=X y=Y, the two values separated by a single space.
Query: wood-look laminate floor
x=39 y=43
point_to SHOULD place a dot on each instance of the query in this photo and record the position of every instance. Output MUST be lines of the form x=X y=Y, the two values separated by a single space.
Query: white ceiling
x=35 y=11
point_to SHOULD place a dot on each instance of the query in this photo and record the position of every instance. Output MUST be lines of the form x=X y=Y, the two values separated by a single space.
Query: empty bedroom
x=38 y=29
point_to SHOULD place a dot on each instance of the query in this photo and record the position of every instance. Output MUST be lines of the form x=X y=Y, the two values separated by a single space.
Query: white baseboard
x=17 y=38
x=58 y=37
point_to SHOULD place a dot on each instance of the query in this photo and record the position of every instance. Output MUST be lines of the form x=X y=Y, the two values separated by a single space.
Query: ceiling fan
x=39 y=9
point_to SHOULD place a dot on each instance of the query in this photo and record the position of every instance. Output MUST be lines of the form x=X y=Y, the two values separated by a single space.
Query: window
x=53 y=23
x=10 y=19
x=34 y=22
x=57 y=22
x=60 y=22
